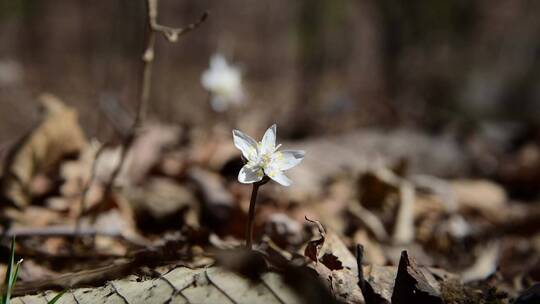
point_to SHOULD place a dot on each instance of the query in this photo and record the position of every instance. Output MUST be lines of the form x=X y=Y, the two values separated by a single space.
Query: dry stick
x=359 y=260
x=67 y=232
x=172 y=35
x=148 y=59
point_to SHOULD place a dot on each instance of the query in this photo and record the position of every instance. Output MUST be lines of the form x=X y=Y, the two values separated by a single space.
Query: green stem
x=251 y=215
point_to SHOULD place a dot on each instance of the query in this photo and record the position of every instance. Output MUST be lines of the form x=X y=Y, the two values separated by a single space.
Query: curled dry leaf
x=313 y=247
x=338 y=269
x=56 y=136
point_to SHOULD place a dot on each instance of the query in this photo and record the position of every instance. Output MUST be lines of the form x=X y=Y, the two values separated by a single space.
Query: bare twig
x=172 y=35
x=148 y=60
x=404 y=228
x=66 y=231
x=359 y=260
x=149 y=257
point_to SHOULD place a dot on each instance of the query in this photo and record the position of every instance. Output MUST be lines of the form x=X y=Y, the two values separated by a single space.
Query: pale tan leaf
x=57 y=135
x=180 y=285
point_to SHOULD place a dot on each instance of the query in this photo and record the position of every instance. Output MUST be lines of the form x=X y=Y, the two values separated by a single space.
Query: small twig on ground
x=147 y=257
x=359 y=260
x=68 y=232
x=369 y=219
x=404 y=228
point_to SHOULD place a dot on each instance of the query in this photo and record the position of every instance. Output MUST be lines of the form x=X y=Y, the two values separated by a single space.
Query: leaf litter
x=173 y=229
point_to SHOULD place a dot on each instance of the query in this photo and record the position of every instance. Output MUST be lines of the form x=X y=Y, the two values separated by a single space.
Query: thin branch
x=359 y=261
x=170 y=33
x=67 y=231
x=148 y=58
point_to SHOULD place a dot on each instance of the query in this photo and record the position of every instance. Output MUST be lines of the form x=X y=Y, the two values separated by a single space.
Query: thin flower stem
x=251 y=215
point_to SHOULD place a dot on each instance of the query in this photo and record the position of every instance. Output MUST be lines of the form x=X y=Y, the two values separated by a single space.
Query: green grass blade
x=15 y=275
x=11 y=271
x=57 y=297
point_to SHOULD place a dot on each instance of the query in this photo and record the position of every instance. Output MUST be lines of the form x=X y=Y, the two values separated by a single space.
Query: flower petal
x=286 y=159
x=280 y=178
x=218 y=104
x=246 y=144
x=249 y=174
x=268 y=143
x=218 y=62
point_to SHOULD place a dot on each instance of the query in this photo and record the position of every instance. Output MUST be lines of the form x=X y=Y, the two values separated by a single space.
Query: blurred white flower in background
x=224 y=82
x=263 y=158
x=11 y=72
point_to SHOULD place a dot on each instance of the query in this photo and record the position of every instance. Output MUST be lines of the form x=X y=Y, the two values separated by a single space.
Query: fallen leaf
x=331 y=262
x=312 y=248
x=411 y=285
x=56 y=136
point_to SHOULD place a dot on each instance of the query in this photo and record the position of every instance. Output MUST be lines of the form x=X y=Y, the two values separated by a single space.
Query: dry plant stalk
x=171 y=34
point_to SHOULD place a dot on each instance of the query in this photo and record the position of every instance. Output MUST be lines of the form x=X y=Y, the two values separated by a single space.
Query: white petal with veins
x=246 y=144
x=284 y=160
x=249 y=174
x=281 y=178
x=263 y=158
x=268 y=143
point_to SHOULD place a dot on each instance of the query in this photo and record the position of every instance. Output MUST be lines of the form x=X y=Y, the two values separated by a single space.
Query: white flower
x=224 y=82
x=263 y=158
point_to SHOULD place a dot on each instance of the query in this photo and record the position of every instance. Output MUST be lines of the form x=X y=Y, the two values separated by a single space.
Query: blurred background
x=313 y=66
x=441 y=95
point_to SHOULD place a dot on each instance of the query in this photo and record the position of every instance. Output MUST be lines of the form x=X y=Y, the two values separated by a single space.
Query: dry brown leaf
x=365 y=150
x=480 y=195
x=313 y=247
x=57 y=135
x=411 y=285
x=181 y=285
x=331 y=261
x=161 y=203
